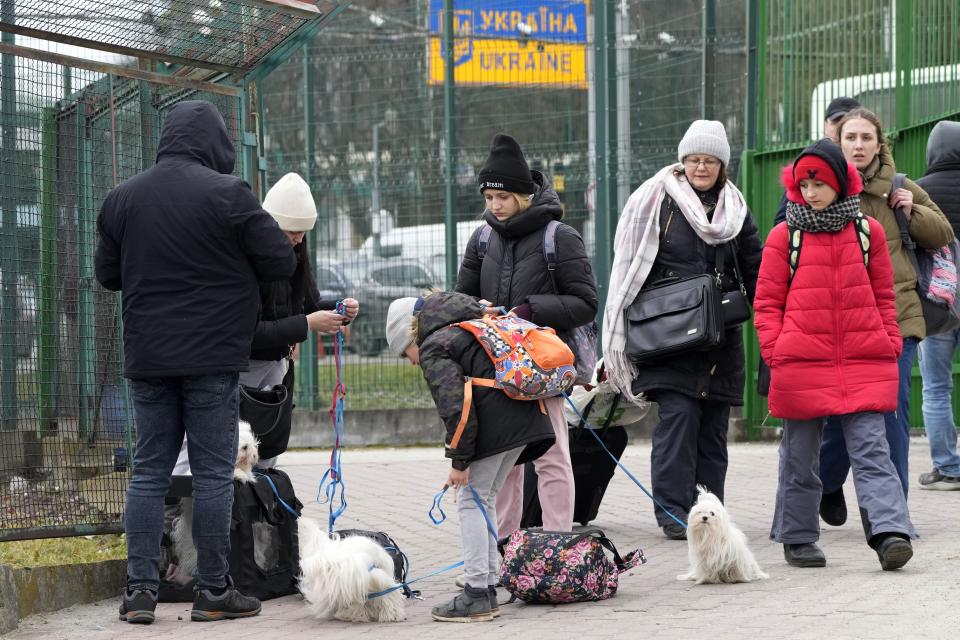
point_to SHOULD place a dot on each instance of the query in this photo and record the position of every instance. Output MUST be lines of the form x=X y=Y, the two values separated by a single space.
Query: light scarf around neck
x=635 y=247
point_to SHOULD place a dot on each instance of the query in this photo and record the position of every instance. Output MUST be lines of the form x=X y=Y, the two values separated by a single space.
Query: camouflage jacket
x=494 y=423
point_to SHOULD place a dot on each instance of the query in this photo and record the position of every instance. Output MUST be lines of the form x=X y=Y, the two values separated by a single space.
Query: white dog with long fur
x=717 y=549
x=339 y=573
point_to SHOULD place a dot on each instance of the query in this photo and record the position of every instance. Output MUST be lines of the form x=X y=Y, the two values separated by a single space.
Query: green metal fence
x=598 y=94
x=900 y=59
x=78 y=115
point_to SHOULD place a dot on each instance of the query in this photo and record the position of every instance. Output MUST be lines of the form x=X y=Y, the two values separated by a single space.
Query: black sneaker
x=894 y=552
x=674 y=532
x=833 y=508
x=138 y=606
x=804 y=555
x=937 y=481
x=208 y=607
x=472 y=605
x=494 y=605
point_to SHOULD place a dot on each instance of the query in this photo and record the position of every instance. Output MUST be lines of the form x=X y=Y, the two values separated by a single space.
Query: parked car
x=375 y=283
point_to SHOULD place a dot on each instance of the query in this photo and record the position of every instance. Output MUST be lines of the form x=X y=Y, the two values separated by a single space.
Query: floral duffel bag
x=546 y=567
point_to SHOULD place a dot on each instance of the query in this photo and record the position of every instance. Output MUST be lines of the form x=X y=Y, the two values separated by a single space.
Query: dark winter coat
x=942 y=179
x=495 y=423
x=284 y=306
x=717 y=374
x=186 y=242
x=514 y=271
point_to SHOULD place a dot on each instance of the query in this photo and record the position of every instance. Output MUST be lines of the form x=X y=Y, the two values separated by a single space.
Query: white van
x=424 y=242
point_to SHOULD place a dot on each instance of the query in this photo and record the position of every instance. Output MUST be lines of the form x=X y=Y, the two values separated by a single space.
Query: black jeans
x=689 y=448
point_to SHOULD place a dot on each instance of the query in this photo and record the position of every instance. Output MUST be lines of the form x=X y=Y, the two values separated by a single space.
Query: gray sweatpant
x=481 y=560
x=883 y=506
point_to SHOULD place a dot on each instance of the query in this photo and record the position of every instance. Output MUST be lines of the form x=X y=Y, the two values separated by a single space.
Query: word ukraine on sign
x=527 y=42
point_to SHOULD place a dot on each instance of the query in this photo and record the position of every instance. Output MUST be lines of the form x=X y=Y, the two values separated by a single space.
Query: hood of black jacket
x=194 y=129
x=445 y=308
x=943 y=147
x=546 y=207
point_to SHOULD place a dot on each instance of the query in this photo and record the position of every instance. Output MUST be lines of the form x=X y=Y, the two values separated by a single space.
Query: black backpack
x=264 y=559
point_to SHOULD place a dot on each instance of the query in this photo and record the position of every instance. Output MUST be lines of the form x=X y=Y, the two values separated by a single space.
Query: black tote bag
x=683 y=315
x=269 y=412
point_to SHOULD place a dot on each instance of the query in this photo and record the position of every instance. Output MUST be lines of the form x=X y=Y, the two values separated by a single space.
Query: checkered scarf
x=832 y=219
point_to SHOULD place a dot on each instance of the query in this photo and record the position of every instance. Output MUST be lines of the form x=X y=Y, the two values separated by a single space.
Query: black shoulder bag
x=269 y=412
x=734 y=304
x=674 y=316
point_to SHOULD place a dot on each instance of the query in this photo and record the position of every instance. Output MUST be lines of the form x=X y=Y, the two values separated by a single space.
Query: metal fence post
x=904 y=63
x=86 y=236
x=450 y=144
x=605 y=96
x=47 y=298
x=308 y=389
x=8 y=232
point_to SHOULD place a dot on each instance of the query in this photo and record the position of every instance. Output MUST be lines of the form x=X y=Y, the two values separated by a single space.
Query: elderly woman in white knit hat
x=289 y=309
x=685 y=221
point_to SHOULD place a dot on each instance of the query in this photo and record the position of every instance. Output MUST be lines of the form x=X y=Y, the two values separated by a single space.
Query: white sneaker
x=461 y=580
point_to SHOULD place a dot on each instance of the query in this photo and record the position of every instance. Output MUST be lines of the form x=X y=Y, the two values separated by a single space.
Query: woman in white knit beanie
x=674 y=227
x=289 y=309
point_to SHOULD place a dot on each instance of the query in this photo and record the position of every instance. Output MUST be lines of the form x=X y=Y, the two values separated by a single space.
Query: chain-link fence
x=84 y=88
x=364 y=116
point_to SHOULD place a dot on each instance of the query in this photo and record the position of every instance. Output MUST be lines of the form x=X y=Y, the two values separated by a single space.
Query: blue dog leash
x=593 y=432
x=438 y=520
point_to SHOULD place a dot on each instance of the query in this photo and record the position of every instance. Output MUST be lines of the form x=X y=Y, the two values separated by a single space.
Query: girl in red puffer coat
x=827 y=324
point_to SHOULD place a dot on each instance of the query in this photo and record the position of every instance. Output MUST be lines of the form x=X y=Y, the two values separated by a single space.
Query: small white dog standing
x=339 y=573
x=717 y=549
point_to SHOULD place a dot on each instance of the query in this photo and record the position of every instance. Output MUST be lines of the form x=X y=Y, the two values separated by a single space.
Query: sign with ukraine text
x=526 y=42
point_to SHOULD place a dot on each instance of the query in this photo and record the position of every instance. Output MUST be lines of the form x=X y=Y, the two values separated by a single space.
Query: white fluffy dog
x=717 y=549
x=181 y=529
x=248 y=454
x=338 y=574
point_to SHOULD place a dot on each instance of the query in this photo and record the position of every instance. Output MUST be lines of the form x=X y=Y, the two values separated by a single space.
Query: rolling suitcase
x=592 y=471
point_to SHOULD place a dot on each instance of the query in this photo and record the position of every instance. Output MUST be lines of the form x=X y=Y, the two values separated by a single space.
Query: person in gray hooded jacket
x=942 y=183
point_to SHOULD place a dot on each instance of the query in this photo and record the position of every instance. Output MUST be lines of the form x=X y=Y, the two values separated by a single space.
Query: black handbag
x=269 y=412
x=735 y=305
x=682 y=315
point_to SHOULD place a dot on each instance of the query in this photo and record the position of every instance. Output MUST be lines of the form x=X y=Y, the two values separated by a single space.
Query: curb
x=25 y=592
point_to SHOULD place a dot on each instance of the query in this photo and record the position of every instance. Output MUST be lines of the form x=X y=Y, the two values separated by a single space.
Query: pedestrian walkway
x=391 y=490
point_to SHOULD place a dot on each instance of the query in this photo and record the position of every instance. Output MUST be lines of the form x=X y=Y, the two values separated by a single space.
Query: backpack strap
x=483 y=240
x=862 y=226
x=794 y=244
x=550 y=251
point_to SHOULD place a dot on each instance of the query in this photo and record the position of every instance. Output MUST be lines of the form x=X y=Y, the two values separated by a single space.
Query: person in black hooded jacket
x=186 y=242
x=942 y=184
x=289 y=309
x=513 y=273
x=488 y=433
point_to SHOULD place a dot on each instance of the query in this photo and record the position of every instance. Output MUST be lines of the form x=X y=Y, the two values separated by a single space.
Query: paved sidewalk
x=391 y=490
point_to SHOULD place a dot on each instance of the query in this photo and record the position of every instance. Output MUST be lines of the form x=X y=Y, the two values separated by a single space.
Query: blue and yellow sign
x=528 y=42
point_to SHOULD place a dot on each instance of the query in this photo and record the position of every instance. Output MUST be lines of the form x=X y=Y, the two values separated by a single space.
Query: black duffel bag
x=681 y=315
x=264 y=558
x=269 y=412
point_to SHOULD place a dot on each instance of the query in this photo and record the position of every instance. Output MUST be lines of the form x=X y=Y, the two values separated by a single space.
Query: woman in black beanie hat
x=511 y=271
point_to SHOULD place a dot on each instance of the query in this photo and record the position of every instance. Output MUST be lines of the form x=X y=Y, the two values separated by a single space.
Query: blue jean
x=834 y=461
x=205 y=408
x=936 y=367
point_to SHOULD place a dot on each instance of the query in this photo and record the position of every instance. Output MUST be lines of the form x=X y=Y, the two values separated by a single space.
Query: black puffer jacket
x=942 y=179
x=186 y=242
x=514 y=271
x=717 y=374
x=495 y=423
x=284 y=306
